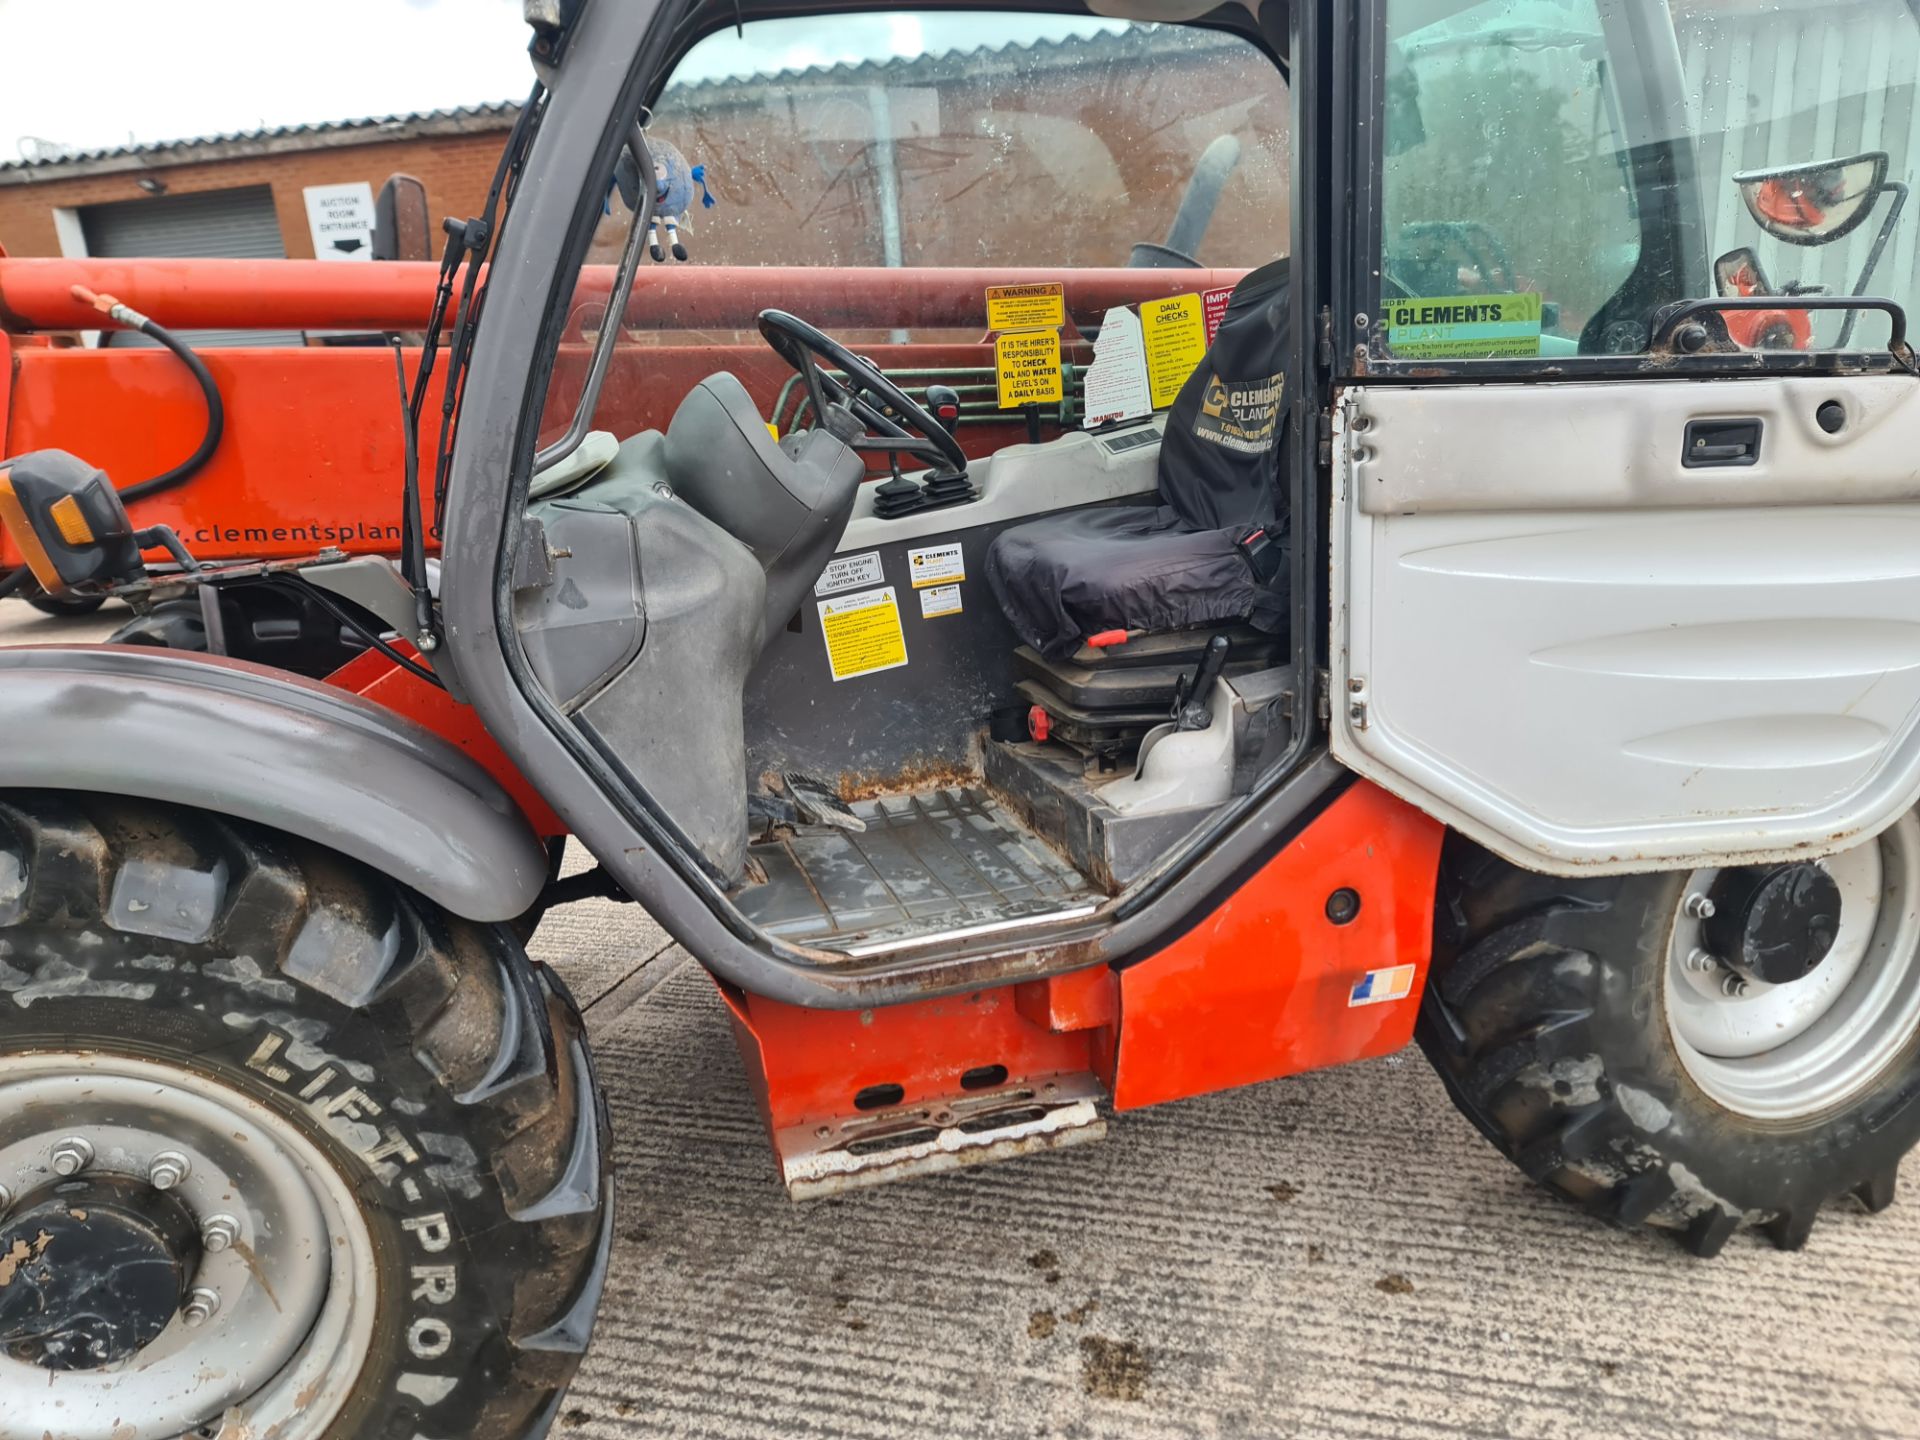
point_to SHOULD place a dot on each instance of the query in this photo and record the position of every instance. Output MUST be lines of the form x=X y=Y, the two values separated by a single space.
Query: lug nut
x=1733 y=986
x=1698 y=907
x=219 y=1233
x=169 y=1168
x=202 y=1305
x=1701 y=962
x=71 y=1156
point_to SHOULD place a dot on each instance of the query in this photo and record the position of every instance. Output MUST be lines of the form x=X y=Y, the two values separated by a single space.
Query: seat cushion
x=1068 y=576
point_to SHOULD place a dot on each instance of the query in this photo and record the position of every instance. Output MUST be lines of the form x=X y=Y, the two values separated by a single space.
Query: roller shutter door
x=217 y=224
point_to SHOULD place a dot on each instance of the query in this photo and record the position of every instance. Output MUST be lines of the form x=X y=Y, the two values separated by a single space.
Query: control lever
x=1193 y=702
x=944 y=403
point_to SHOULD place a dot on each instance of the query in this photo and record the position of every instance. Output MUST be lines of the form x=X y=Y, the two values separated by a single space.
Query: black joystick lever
x=1193 y=701
x=944 y=402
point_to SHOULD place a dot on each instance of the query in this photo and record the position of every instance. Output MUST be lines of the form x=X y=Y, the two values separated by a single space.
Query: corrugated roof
x=274 y=139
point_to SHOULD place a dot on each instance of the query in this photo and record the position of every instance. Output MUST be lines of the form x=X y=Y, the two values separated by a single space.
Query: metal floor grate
x=924 y=864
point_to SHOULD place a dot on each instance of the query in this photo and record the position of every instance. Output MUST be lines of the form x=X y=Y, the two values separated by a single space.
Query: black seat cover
x=1179 y=564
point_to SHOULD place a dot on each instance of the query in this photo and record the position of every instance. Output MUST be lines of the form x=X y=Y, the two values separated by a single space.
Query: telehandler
x=1417 y=598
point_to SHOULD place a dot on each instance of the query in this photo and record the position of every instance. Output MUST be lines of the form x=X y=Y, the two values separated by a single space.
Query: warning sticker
x=1465 y=327
x=1240 y=415
x=1026 y=307
x=940 y=600
x=848 y=572
x=1176 y=334
x=1028 y=362
x=936 y=565
x=1214 y=303
x=1377 y=987
x=863 y=633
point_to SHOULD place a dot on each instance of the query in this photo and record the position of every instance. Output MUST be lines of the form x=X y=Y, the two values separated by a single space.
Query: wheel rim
x=295 y=1283
x=1786 y=1052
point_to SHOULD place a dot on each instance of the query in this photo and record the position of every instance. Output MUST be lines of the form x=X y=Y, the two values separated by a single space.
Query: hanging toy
x=673 y=186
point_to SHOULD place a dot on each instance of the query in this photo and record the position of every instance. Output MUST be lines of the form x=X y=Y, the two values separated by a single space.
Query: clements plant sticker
x=1464 y=327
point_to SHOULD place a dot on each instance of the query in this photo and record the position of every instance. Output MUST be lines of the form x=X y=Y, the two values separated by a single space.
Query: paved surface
x=1334 y=1255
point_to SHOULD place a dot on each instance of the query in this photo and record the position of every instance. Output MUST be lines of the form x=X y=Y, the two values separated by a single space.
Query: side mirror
x=401 y=230
x=1738 y=272
x=68 y=522
x=1814 y=204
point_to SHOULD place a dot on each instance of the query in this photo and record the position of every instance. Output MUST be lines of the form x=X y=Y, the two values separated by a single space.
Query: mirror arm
x=1899 y=193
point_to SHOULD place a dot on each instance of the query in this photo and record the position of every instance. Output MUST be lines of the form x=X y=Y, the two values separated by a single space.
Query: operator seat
x=1212 y=552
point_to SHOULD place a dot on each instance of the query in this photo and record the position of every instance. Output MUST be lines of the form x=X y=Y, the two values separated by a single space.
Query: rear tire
x=354 y=1080
x=70 y=607
x=1547 y=1015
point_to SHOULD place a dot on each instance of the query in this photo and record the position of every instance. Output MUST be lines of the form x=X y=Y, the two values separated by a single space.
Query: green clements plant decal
x=1464 y=327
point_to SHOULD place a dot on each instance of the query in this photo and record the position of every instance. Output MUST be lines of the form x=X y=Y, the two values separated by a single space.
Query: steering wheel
x=896 y=423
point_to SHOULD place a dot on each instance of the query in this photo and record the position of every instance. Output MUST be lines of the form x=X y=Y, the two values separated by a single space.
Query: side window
x=1807 y=123
x=1553 y=175
x=1509 y=217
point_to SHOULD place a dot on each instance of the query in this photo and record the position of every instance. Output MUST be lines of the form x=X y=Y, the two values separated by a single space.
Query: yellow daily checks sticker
x=1176 y=335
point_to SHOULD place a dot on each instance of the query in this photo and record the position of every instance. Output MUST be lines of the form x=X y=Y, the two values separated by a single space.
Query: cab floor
x=926 y=863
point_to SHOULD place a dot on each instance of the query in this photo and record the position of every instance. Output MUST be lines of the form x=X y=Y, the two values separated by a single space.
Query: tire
x=1552 y=1014
x=69 y=607
x=410 y=1079
x=268 y=626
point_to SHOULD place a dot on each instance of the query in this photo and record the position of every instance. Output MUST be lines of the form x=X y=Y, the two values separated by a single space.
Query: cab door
x=1621 y=582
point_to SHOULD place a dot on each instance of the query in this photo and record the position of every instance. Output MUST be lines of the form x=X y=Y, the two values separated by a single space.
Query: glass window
x=923 y=156
x=1557 y=171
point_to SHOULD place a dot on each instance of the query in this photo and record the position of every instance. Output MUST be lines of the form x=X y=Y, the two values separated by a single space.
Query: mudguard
x=272 y=748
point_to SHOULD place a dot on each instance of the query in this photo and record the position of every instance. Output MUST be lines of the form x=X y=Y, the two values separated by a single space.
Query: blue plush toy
x=674 y=182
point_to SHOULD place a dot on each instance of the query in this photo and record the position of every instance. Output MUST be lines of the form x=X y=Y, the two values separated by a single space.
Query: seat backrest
x=1221 y=458
x=786 y=502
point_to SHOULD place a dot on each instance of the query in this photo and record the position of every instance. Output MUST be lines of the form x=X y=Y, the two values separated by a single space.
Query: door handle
x=1715 y=444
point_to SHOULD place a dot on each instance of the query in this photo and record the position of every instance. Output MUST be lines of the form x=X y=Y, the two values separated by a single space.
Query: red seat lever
x=1108 y=637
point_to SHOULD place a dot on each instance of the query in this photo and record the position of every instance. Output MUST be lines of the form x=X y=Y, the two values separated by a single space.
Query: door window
x=1557 y=171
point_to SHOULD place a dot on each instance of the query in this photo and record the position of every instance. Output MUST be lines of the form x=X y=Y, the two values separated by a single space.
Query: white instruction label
x=940 y=600
x=1116 y=382
x=862 y=633
x=847 y=572
x=936 y=565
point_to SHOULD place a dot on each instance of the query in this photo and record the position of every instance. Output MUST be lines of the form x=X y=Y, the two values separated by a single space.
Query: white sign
x=936 y=565
x=845 y=572
x=940 y=600
x=1116 y=382
x=341 y=219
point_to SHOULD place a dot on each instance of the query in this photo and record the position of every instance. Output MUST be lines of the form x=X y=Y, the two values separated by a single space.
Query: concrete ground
x=1333 y=1255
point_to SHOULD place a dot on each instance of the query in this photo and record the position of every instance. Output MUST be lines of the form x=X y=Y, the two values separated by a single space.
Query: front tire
x=1565 y=1020
x=335 y=1159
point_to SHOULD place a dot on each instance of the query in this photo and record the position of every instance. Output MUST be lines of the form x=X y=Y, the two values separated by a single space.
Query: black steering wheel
x=895 y=422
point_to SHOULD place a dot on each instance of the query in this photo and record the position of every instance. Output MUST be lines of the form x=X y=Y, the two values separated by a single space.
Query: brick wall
x=455 y=168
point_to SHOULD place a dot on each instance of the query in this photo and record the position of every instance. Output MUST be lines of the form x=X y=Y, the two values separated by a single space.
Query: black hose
x=216 y=417
x=186 y=469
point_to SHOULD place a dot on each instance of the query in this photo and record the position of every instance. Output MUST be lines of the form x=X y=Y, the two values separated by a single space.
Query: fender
x=280 y=751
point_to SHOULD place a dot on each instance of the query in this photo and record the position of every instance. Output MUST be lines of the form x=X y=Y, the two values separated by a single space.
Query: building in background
x=243 y=196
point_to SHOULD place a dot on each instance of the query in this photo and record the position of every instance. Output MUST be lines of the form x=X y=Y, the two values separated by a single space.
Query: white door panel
x=1681 y=676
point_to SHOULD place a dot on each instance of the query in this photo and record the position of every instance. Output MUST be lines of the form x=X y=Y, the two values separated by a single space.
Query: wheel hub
x=1773 y=924
x=94 y=1270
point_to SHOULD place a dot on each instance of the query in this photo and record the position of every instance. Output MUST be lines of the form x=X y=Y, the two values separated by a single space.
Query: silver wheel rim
x=297 y=1288
x=1786 y=1052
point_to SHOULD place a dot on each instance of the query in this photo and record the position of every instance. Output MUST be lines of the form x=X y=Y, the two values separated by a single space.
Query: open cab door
x=1623 y=581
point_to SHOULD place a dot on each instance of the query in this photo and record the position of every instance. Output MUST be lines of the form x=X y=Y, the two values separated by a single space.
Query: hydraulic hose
x=216 y=410
x=132 y=319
